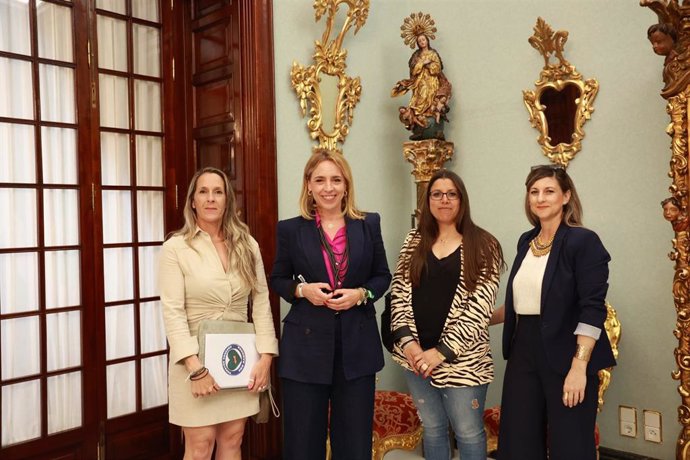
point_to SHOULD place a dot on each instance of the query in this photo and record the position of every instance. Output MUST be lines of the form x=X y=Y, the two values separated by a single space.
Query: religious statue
x=425 y=115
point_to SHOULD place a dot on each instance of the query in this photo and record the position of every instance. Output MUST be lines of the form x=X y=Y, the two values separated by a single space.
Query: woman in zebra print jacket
x=443 y=293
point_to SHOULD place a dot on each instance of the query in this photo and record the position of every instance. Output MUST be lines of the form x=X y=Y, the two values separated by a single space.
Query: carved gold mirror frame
x=676 y=91
x=330 y=128
x=561 y=83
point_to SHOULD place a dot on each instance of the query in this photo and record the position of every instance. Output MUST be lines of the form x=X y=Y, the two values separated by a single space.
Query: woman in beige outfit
x=208 y=270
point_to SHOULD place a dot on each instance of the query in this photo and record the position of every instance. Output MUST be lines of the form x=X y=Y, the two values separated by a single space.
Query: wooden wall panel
x=214 y=103
x=231 y=125
x=212 y=48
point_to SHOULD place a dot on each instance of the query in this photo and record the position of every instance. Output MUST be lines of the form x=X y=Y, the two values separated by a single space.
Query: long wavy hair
x=572 y=210
x=482 y=253
x=235 y=232
x=307 y=205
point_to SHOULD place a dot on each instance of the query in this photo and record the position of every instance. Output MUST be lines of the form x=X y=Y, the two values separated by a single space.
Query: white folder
x=229 y=356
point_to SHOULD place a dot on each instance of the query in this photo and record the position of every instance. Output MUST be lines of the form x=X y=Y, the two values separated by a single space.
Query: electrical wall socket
x=628 y=429
x=652 y=426
x=627 y=418
x=652 y=434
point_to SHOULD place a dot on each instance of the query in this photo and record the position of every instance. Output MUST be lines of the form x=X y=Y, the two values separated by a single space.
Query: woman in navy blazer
x=330 y=266
x=554 y=337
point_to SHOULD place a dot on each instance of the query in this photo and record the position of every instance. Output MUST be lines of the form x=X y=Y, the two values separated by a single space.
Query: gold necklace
x=540 y=249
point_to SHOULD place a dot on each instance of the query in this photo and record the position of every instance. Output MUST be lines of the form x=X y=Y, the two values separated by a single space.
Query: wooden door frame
x=257 y=144
x=260 y=175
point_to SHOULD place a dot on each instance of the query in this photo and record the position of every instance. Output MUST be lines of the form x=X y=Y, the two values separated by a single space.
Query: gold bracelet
x=583 y=353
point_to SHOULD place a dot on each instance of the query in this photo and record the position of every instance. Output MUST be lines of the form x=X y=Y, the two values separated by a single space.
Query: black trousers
x=533 y=416
x=306 y=415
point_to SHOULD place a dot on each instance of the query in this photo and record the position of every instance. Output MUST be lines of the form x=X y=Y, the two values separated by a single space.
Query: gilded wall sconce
x=562 y=100
x=323 y=88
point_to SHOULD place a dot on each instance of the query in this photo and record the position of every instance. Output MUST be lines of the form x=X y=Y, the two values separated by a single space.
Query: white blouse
x=527 y=284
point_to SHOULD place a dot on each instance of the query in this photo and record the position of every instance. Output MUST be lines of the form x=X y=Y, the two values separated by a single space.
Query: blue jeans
x=463 y=406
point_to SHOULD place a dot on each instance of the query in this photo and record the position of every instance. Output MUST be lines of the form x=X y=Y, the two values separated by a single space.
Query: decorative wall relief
x=425 y=115
x=562 y=100
x=323 y=88
x=670 y=37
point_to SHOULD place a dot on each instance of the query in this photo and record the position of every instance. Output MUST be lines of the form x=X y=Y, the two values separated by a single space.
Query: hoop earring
x=345 y=194
x=309 y=192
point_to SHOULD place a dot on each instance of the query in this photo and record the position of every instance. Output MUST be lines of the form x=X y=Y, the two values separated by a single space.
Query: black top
x=432 y=299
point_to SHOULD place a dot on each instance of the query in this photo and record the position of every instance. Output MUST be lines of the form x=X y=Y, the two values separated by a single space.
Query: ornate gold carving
x=676 y=71
x=677 y=108
x=557 y=76
x=401 y=441
x=675 y=19
x=379 y=447
x=427 y=157
x=613 y=330
x=329 y=59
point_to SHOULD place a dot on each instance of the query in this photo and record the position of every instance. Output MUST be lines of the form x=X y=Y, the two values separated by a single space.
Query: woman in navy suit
x=553 y=337
x=330 y=266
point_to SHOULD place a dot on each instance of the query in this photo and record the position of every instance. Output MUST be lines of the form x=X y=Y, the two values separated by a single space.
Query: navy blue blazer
x=573 y=291
x=307 y=344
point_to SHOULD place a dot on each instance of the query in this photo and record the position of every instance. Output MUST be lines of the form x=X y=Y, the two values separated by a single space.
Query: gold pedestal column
x=427 y=157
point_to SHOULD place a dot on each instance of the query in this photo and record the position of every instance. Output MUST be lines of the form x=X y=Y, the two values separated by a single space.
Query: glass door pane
x=130 y=89
x=41 y=306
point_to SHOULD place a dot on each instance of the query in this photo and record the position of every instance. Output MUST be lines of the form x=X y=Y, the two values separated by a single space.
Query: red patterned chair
x=396 y=423
x=492 y=415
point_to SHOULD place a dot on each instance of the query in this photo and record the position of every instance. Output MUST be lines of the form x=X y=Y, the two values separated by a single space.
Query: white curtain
x=19 y=272
x=20 y=338
x=117 y=206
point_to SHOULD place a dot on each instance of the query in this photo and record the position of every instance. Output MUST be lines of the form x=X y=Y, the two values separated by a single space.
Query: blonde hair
x=306 y=200
x=235 y=232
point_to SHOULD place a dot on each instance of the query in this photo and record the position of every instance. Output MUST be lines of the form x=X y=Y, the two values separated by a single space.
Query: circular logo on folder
x=234 y=359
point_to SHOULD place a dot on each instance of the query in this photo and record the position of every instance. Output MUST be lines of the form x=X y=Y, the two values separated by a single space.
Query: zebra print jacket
x=465 y=337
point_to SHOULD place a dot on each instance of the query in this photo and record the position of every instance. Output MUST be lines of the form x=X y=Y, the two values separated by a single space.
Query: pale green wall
x=620 y=173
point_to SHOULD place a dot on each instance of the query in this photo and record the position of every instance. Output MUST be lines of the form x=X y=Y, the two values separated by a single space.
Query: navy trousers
x=306 y=415
x=533 y=416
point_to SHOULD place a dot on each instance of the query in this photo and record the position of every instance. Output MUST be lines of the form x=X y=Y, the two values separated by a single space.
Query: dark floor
x=606 y=454
x=610 y=454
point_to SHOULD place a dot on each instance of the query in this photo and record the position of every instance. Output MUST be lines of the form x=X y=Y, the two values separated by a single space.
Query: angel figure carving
x=425 y=115
x=673 y=214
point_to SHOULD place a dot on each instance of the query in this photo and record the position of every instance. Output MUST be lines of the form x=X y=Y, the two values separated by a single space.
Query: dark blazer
x=307 y=344
x=573 y=291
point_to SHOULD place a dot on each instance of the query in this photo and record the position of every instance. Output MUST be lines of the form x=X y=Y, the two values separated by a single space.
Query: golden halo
x=414 y=26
